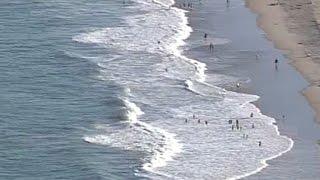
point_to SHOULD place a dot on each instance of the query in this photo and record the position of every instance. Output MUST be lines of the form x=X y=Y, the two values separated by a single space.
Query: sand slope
x=293 y=26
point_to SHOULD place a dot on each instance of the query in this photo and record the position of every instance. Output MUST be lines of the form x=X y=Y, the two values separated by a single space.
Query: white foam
x=140 y=136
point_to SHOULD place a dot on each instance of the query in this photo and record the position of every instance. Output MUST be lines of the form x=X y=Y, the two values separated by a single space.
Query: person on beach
x=276 y=62
x=232 y=127
x=230 y=121
x=199 y=121
x=205 y=35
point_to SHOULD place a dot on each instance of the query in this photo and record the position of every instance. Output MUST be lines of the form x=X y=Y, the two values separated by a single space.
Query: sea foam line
x=162 y=155
x=264 y=161
x=184 y=34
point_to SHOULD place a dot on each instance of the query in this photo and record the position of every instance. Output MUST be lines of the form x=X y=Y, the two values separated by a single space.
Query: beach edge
x=273 y=19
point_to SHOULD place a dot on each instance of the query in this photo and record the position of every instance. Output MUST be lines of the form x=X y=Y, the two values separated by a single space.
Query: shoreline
x=264 y=162
x=268 y=102
x=286 y=36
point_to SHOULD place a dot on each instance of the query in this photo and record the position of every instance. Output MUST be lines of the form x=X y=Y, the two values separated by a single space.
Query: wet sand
x=249 y=58
x=293 y=26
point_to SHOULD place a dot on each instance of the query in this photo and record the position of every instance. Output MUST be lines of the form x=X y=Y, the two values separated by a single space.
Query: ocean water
x=101 y=90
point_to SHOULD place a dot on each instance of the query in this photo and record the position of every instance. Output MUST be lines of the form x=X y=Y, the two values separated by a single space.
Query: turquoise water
x=101 y=90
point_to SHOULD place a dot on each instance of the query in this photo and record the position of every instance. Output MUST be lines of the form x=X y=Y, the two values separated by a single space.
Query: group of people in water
x=195 y=118
x=234 y=126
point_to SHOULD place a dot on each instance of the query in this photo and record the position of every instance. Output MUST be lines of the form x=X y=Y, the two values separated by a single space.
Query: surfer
x=186 y=120
x=260 y=143
x=199 y=121
x=206 y=122
x=251 y=115
x=238 y=85
x=252 y=125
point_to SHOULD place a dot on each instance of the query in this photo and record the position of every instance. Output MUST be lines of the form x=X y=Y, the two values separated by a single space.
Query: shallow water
x=102 y=90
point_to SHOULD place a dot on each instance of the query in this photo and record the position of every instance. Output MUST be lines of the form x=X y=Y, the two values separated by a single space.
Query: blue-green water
x=48 y=98
x=101 y=90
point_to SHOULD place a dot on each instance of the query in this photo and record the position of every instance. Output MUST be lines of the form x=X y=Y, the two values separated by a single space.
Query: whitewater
x=162 y=88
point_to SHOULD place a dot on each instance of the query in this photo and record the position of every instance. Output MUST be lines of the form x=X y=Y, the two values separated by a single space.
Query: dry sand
x=293 y=26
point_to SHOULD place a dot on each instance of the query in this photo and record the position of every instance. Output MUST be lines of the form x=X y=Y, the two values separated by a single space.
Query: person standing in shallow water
x=211 y=47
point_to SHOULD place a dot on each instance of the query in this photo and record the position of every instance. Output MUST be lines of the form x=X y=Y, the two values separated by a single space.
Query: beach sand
x=293 y=26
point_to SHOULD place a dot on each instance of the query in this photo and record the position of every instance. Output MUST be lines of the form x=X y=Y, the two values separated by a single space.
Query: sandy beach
x=293 y=26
